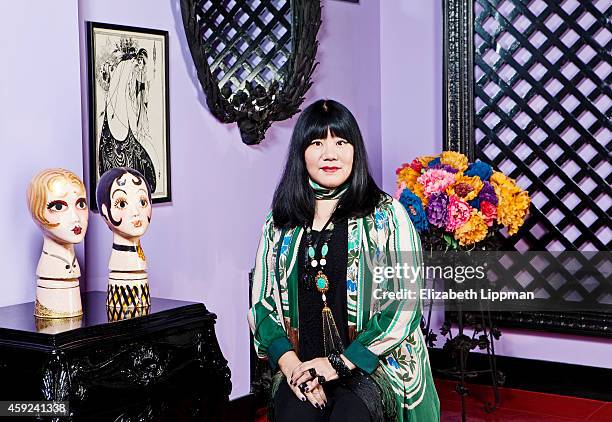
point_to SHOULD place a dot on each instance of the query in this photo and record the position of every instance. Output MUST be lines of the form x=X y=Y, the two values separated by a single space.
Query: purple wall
x=411 y=115
x=383 y=60
x=40 y=125
x=218 y=180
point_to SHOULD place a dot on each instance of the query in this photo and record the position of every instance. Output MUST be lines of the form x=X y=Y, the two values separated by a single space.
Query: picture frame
x=129 y=113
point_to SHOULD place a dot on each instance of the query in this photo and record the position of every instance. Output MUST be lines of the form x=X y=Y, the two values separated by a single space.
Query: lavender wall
x=411 y=116
x=383 y=60
x=202 y=246
x=40 y=125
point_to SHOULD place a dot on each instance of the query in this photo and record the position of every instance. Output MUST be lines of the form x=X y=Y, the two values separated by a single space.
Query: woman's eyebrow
x=118 y=190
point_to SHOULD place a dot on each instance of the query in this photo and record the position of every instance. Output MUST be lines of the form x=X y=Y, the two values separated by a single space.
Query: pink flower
x=489 y=212
x=458 y=213
x=399 y=190
x=435 y=180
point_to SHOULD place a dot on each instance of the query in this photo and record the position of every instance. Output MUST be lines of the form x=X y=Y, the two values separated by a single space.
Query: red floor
x=516 y=406
x=520 y=406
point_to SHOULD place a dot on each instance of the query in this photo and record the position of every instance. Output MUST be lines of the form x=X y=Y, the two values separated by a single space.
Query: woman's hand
x=322 y=367
x=287 y=363
x=315 y=395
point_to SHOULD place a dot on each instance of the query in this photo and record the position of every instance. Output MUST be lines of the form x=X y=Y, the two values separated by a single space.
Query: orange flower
x=426 y=159
x=465 y=187
x=473 y=231
x=455 y=160
x=408 y=176
x=419 y=190
x=513 y=202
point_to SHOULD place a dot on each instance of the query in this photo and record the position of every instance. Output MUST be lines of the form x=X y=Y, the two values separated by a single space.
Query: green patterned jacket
x=387 y=337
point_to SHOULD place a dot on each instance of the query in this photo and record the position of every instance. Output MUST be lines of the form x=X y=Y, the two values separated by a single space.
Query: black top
x=309 y=298
x=18 y=323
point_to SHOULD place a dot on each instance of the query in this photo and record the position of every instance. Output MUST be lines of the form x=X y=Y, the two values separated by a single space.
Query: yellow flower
x=474 y=230
x=513 y=202
x=408 y=176
x=454 y=159
x=465 y=187
x=500 y=179
x=426 y=159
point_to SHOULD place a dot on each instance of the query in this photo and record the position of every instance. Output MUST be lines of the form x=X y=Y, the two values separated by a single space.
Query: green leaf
x=448 y=239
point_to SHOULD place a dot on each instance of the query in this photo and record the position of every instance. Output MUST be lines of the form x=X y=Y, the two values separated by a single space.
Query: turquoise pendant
x=311 y=252
x=324 y=250
x=322 y=282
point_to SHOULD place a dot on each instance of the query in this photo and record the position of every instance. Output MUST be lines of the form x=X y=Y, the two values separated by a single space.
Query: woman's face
x=130 y=205
x=329 y=161
x=66 y=207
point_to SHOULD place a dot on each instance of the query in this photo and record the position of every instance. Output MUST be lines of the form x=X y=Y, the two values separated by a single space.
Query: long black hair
x=294 y=200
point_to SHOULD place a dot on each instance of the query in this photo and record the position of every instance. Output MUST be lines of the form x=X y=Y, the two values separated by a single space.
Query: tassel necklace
x=315 y=276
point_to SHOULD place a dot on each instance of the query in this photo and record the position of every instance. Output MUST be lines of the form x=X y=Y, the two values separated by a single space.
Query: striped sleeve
x=397 y=318
x=269 y=336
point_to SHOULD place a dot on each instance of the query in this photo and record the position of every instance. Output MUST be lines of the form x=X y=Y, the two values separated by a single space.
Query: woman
x=340 y=353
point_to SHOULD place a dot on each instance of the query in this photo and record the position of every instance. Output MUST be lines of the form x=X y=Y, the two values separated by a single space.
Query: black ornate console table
x=165 y=365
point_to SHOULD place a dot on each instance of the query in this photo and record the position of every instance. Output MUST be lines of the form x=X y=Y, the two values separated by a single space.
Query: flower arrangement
x=455 y=204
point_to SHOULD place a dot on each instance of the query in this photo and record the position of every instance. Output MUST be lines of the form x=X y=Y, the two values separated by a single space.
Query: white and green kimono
x=388 y=342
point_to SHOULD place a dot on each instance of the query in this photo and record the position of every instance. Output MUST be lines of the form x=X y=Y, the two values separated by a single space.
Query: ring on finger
x=312 y=372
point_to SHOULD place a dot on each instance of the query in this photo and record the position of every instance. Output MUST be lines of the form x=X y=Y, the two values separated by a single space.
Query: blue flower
x=409 y=348
x=474 y=203
x=379 y=219
x=480 y=169
x=413 y=205
x=391 y=361
x=285 y=245
x=352 y=286
x=433 y=162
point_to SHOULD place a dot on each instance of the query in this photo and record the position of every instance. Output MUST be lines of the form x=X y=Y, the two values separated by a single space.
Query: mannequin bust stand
x=57 y=284
x=128 y=284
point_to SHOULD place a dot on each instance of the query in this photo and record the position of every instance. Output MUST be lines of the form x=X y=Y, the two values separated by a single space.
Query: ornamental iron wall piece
x=254 y=58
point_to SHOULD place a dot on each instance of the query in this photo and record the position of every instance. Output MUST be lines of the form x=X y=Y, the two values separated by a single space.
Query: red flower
x=402 y=167
x=489 y=212
x=416 y=165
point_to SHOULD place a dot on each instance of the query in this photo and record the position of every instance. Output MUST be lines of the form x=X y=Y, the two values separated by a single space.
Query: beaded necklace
x=331 y=337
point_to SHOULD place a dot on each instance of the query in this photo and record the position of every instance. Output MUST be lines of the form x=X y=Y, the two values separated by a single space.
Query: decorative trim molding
x=458 y=76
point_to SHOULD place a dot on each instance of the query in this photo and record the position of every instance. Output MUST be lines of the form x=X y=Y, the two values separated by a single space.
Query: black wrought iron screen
x=259 y=33
x=254 y=58
x=528 y=91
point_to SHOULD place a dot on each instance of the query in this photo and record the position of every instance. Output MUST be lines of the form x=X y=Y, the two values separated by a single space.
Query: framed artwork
x=128 y=104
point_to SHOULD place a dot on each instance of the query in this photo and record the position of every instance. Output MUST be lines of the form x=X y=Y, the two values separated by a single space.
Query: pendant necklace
x=331 y=337
x=319 y=279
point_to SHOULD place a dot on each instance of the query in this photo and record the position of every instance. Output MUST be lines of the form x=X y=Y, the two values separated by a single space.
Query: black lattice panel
x=543 y=104
x=258 y=31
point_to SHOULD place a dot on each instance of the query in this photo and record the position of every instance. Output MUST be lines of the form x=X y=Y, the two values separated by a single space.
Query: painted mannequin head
x=124 y=200
x=58 y=204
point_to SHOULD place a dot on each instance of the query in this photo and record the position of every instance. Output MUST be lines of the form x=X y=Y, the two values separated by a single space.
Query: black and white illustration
x=128 y=87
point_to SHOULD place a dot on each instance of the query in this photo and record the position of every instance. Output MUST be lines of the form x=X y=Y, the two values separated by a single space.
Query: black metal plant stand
x=459 y=346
